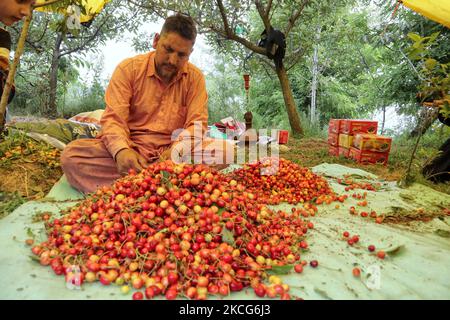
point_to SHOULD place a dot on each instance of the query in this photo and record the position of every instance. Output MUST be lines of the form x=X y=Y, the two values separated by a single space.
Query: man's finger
x=123 y=171
x=144 y=164
x=137 y=166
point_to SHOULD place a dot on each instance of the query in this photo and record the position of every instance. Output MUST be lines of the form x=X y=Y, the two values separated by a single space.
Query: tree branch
x=223 y=14
x=268 y=8
x=26 y=79
x=297 y=56
x=263 y=14
x=294 y=17
x=229 y=34
x=29 y=42
x=44 y=32
x=267 y=62
x=85 y=43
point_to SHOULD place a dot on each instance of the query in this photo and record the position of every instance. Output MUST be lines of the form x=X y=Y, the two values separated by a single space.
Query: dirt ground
x=28 y=169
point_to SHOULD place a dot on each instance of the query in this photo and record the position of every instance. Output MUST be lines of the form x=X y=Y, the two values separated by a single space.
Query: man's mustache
x=169 y=66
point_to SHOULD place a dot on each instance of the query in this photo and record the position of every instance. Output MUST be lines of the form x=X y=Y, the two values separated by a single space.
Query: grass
x=310 y=152
x=9 y=202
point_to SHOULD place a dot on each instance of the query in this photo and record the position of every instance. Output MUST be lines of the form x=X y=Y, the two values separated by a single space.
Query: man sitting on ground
x=148 y=98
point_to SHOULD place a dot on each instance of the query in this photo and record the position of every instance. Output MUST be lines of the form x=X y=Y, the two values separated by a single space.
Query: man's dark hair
x=182 y=25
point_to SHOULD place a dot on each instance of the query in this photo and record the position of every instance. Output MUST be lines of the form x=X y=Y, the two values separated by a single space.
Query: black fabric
x=275 y=44
x=438 y=169
x=3 y=77
x=5 y=39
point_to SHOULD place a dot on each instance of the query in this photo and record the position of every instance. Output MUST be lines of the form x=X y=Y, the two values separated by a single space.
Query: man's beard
x=167 y=72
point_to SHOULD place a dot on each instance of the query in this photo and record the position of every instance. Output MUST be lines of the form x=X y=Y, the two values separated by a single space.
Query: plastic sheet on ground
x=417 y=265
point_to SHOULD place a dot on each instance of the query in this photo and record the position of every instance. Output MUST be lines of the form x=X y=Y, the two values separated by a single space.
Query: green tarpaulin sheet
x=417 y=265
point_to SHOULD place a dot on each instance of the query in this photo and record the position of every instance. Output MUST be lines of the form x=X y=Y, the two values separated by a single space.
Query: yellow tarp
x=92 y=7
x=436 y=10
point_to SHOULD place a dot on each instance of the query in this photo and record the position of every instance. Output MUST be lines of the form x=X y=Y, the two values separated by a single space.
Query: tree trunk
x=312 y=109
x=429 y=117
x=315 y=76
x=291 y=108
x=384 y=120
x=51 y=108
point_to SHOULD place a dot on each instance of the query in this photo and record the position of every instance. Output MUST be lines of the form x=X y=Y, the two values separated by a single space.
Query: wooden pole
x=12 y=71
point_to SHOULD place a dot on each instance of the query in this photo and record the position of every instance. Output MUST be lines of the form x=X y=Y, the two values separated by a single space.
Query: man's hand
x=166 y=155
x=127 y=159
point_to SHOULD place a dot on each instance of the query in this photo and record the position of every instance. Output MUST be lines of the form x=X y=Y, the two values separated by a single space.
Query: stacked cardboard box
x=357 y=139
x=371 y=148
x=333 y=137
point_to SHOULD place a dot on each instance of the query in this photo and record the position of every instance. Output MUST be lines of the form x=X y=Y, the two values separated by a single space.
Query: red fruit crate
x=372 y=142
x=283 y=136
x=334 y=125
x=344 y=152
x=345 y=140
x=333 y=139
x=353 y=127
x=333 y=151
x=369 y=156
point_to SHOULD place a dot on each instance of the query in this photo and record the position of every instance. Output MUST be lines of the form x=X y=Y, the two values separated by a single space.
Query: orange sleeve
x=197 y=111
x=115 y=131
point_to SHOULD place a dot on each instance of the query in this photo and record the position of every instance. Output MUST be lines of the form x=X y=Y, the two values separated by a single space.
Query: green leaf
x=166 y=178
x=34 y=258
x=227 y=236
x=277 y=270
x=415 y=37
x=165 y=174
x=445 y=110
x=165 y=230
x=430 y=64
x=30 y=233
x=433 y=37
x=414 y=54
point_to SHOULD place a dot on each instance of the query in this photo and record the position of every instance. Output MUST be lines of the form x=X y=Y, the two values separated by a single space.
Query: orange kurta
x=141 y=113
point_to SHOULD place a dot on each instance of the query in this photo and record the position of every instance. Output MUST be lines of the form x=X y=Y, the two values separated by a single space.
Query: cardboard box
x=372 y=142
x=333 y=139
x=344 y=152
x=333 y=151
x=345 y=140
x=369 y=156
x=334 y=126
x=353 y=127
x=283 y=136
